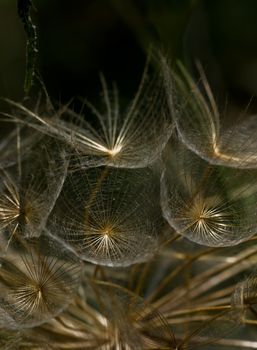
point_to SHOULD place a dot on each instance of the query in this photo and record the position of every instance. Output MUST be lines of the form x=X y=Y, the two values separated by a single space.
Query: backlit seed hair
x=38 y=279
x=29 y=189
x=132 y=137
x=109 y=216
x=199 y=123
x=209 y=204
x=112 y=317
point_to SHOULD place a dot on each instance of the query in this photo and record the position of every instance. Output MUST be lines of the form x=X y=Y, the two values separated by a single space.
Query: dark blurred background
x=80 y=38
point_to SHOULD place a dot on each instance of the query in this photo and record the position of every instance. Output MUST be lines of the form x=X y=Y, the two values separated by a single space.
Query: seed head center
x=115 y=150
x=107 y=231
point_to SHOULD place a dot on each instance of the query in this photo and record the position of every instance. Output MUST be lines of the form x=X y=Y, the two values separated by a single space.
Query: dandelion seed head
x=19 y=209
x=28 y=190
x=208 y=204
x=131 y=137
x=206 y=219
x=114 y=151
x=94 y=195
x=35 y=285
x=199 y=123
x=109 y=216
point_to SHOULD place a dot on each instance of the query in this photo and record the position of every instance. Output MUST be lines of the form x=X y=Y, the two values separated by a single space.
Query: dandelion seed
x=198 y=122
x=36 y=282
x=29 y=190
x=132 y=138
x=109 y=216
x=209 y=204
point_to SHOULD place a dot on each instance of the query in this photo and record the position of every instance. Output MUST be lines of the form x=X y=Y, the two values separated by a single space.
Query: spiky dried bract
x=244 y=299
x=29 y=189
x=182 y=316
x=209 y=204
x=38 y=279
x=131 y=138
x=131 y=323
x=109 y=216
x=199 y=124
x=111 y=318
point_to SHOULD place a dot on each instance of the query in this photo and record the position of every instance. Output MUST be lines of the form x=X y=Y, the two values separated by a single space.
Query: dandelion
x=37 y=282
x=199 y=123
x=209 y=204
x=109 y=216
x=87 y=263
x=132 y=138
x=29 y=189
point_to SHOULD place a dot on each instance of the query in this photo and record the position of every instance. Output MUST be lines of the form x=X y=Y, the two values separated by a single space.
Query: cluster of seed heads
x=128 y=228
